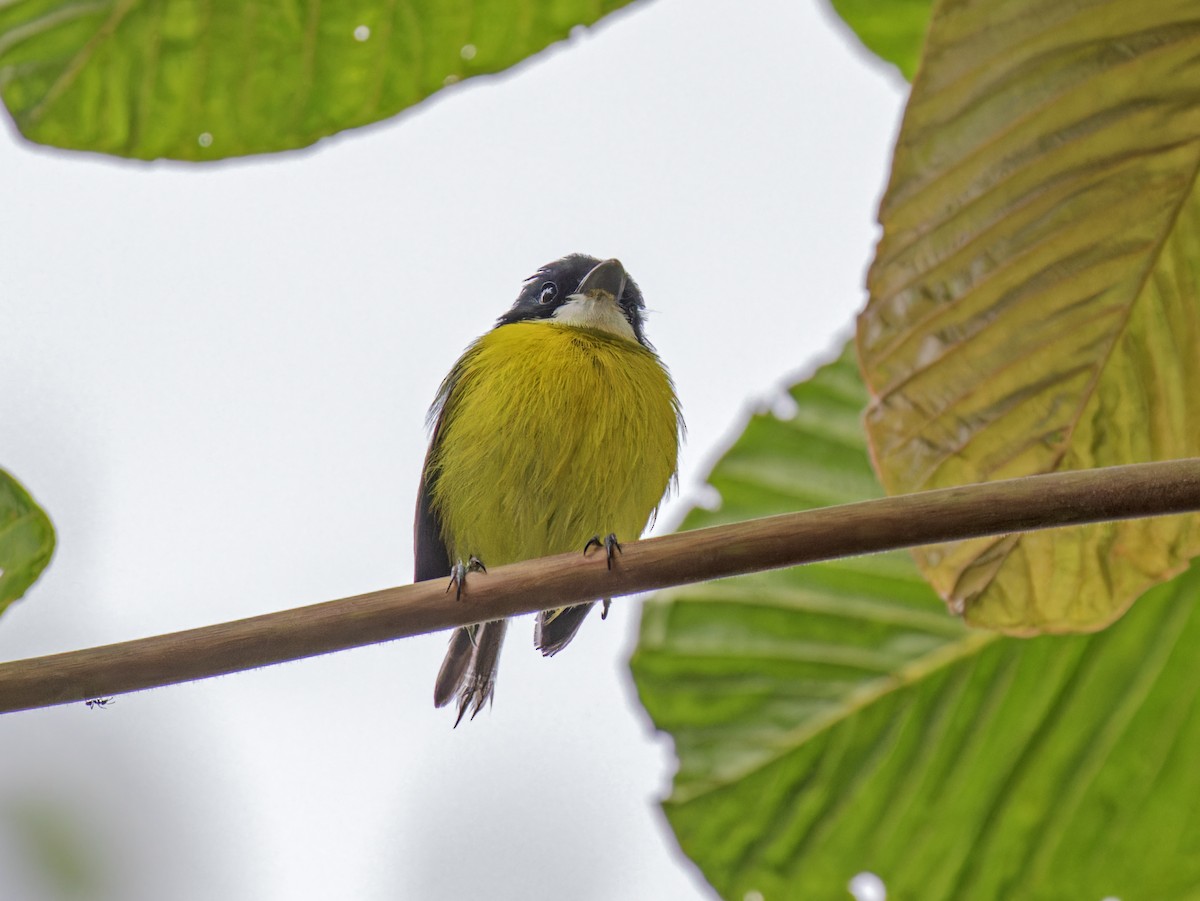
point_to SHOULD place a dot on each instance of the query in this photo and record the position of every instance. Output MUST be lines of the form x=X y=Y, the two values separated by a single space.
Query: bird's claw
x=610 y=544
x=458 y=574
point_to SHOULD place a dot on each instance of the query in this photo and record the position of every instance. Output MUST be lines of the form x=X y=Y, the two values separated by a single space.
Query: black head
x=548 y=290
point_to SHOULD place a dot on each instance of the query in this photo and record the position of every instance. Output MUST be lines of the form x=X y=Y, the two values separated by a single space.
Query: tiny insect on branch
x=928 y=517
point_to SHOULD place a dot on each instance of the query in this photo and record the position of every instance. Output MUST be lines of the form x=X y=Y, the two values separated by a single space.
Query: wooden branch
x=1037 y=502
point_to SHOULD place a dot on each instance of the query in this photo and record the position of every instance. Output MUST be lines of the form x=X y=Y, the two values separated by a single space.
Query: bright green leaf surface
x=832 y=718
x=200 y=81
x=893 y=30
x=1035 y=304
x=26 y=540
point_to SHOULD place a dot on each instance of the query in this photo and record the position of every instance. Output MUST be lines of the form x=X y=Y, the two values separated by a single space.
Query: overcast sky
x=215 y=380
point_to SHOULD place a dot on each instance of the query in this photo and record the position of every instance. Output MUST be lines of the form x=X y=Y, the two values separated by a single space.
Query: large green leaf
x=1034 y=298
x=894 y=30
x=198 y=81
x=26 y=540
x=832 y=718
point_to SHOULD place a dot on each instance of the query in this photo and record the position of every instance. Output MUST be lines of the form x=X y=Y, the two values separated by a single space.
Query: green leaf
x=893 y=30
x=200 y=81
x=831 y=719
x=26 y=540
x=1035 y=304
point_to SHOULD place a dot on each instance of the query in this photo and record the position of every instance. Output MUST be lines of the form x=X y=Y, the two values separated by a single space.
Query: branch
x=928 y=517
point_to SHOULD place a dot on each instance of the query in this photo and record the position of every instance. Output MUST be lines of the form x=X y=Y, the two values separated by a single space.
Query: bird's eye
x=549 y=292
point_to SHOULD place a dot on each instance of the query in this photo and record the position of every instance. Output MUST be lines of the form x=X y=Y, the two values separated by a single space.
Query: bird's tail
x=556 y=628
x=469 y=670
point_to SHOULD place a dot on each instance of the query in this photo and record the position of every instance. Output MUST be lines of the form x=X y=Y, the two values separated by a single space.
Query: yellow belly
x=551 y=434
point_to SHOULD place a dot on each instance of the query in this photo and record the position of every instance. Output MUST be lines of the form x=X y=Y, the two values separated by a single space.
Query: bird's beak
x=606 y=281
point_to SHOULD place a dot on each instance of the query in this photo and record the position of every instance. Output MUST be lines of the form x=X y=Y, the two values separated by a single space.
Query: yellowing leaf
x=1034 y=303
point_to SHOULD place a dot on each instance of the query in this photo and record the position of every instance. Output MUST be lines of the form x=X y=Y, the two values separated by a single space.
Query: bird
x=557 y=430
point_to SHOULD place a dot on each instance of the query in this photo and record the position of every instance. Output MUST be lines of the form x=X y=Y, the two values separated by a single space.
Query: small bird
x=558 y=430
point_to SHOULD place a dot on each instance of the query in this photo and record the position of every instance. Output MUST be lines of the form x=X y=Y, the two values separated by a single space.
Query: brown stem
x=928 y=517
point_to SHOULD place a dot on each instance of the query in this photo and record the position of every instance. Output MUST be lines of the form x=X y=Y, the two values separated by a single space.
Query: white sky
x=215 y=380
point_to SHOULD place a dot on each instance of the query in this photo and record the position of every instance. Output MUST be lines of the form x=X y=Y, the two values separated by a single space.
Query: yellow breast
x=551 y=434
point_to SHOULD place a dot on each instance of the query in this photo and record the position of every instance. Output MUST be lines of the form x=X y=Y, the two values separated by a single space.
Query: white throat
x=597 y=313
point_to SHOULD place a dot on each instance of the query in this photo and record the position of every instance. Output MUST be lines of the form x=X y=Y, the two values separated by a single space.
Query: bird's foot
x=458 y=574
x=611 y=548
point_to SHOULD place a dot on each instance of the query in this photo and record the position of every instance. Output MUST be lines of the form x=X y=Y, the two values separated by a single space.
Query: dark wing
x=429 y=549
